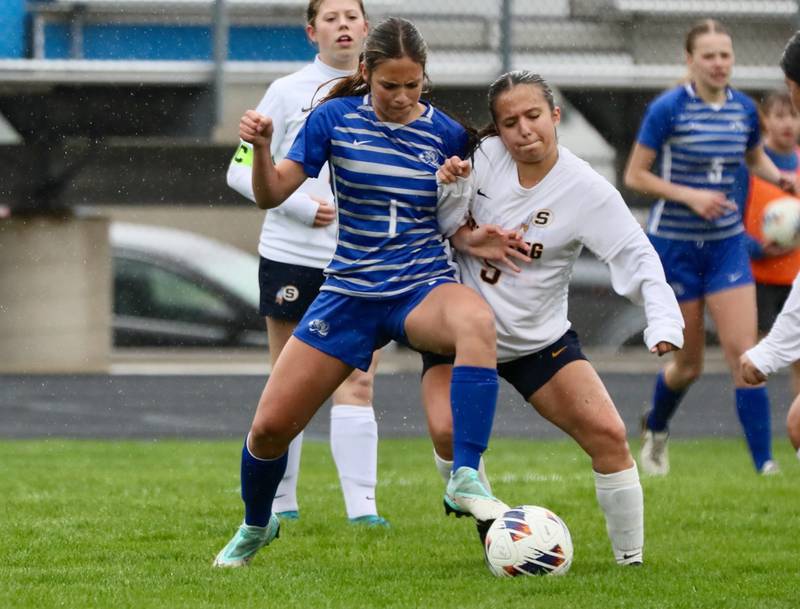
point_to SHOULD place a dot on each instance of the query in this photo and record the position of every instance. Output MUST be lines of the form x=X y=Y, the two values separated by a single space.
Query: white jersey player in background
x=781 y=346
x=298 y=240
x=521 y=178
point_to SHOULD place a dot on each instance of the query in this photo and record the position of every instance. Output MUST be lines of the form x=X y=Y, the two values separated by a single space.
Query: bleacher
x=587 y=43
x=132 y=73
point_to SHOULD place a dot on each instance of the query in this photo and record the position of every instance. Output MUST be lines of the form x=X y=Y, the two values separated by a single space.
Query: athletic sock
x=354 y=445
x=473 y=397
x=286 y=495
x=260 y=479
x=621 y=499
x=752 y=406
x=446 y=467
x=665 y=403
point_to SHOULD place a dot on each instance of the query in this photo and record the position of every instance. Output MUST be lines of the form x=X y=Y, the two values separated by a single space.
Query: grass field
x=136 y=524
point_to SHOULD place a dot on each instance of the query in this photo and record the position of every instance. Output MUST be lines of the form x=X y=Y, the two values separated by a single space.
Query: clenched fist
x=255 y=129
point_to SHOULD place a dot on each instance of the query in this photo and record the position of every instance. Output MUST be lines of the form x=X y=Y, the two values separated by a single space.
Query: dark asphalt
x=136 y=406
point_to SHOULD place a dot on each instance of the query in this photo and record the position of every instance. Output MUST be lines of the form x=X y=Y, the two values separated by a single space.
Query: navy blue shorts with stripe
x=531 y=372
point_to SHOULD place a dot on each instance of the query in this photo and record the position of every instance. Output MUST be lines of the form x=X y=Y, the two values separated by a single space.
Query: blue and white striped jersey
x=701 y=146
x=384 y=181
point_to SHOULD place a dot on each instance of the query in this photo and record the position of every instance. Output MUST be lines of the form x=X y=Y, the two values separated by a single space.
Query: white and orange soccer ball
x=781 y=223
x=528 y=540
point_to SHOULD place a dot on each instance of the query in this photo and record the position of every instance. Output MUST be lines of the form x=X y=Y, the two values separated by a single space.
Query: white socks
x=286 y=495
x=621 y=499
x=354 y=444
x=445 y=467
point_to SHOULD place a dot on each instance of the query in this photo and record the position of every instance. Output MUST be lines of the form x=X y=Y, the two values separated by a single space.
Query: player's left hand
x=663 y=348
x=788 y=183
x=750 y=374
x=496 y=244
x=452 y=169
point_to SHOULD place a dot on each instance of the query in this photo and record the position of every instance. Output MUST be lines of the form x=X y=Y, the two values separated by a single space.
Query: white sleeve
x=781 y=346
x=452 y=209
x=612 y=233
x=298 y=205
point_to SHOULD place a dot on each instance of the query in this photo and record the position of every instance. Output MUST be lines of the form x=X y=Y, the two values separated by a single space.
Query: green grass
x=137 y=524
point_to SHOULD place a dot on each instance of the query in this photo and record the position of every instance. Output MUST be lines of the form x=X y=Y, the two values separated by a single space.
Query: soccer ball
x=782 y=222
x=528 y=540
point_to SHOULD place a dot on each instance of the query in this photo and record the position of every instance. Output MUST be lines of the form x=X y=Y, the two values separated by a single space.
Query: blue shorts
x=696 y=269
x=351 y=328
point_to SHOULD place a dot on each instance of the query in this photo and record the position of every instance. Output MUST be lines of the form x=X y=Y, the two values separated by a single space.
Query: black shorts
x=531 y=372
x=287 y=290
x=769 y=300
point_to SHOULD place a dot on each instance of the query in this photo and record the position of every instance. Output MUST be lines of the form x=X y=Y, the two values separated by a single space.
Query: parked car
x=174 y=288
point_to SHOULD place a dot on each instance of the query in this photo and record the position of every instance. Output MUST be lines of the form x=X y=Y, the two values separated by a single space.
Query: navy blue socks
x=473 y=397
x=260 y=479
x=752 y=406
x=665 y=403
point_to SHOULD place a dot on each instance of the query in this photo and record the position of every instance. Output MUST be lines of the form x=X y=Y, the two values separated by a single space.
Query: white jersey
x=571 y=207
x=287 y=234
x=781 y=346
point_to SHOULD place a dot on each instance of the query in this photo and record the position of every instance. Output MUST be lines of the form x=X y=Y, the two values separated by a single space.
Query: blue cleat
x=467 y=496
x=370 y=521
x=246 y=542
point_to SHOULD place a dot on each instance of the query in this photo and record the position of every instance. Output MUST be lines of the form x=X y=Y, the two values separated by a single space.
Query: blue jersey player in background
x=700 y=133
x=390 y=278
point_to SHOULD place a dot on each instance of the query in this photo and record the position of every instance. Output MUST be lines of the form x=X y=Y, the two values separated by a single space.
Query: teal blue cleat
x=246 y=542
x=467 y=496
x=370 y=521
x=288 y=515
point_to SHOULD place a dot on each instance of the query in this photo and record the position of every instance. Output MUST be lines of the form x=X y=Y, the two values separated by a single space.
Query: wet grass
x=137 y=524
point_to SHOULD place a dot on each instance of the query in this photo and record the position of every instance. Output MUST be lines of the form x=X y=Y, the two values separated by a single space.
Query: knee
x=793 y=424
x=269 y=438
x=477 y=322
x=687 y=373
x=611 y=444
x=356 y=389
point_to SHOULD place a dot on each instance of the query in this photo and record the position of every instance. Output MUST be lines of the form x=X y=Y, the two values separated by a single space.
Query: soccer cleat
x=288 y=515
x=467 y=496
x=770 y=468
x=654 y=456
x=246 y=542
x=370 y=521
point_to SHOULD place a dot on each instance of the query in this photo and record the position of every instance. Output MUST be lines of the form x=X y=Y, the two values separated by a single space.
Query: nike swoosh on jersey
x=359 y=142
x=483 y=194
x=555 y=354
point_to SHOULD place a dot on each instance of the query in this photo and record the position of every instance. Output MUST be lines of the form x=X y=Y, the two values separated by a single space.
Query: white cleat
x=770 y=468
x=467 y=496
x=654 y=457
x=629 y=557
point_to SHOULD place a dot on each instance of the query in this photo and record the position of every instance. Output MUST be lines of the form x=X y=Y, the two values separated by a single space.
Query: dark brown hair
x=505 y=83
x=704 y=26
x=790 y=60
x=313 y=9
x=393 y=38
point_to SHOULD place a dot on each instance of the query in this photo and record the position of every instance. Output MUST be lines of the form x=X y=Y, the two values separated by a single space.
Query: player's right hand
x=255 y=128
x=452 y=169
x=709 y=204
x=750 y=374
x=326 y=213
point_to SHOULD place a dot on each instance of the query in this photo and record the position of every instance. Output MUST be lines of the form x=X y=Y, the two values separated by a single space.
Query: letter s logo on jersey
x=319 y=326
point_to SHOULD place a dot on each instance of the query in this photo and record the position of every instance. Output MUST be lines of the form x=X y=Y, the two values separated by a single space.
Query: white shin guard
x=621 y=499
x=354 y=445
x=286 y=495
